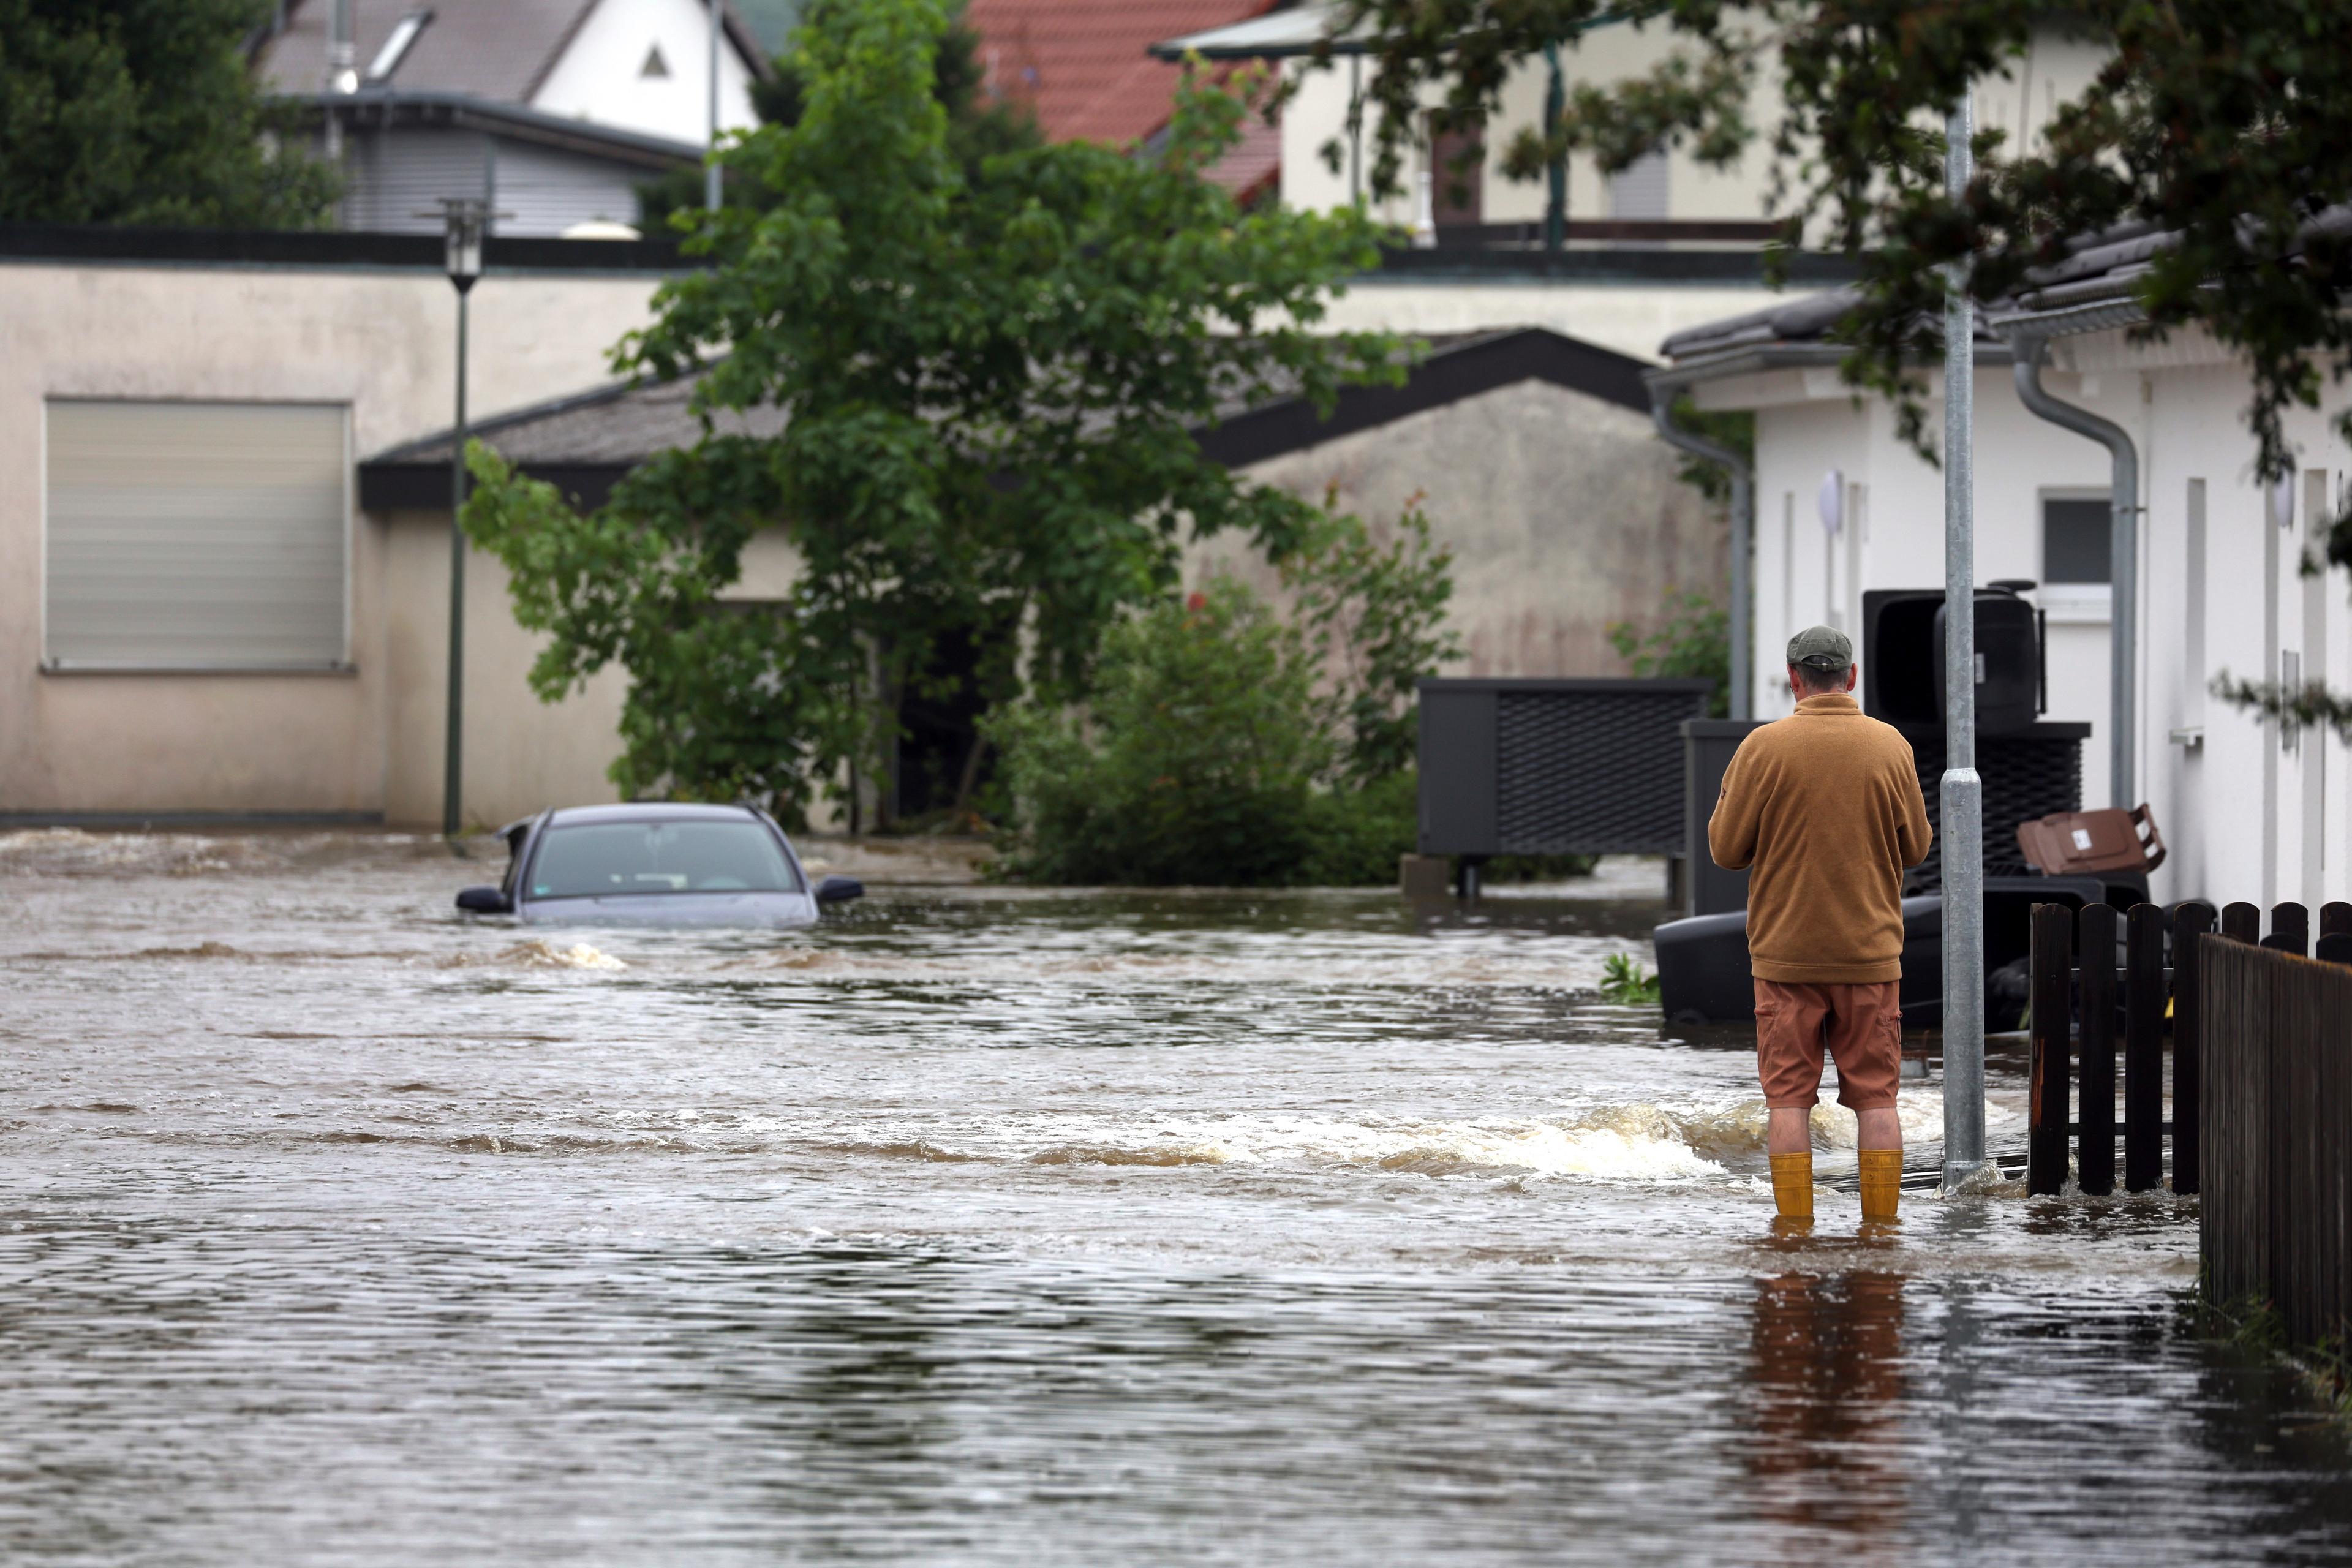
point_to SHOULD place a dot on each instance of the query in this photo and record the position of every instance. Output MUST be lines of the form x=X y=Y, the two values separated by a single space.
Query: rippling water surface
x=1008 y=1227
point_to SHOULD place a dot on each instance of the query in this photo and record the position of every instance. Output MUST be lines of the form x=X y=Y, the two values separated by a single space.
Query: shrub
x=1694 y=639
x=1195 y=762
x=1222 y=745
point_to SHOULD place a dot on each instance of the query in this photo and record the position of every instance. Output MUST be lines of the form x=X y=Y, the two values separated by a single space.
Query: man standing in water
x=1825 y=807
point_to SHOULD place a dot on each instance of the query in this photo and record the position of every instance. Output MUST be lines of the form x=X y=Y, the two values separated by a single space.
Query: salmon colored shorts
x=1861 y=1024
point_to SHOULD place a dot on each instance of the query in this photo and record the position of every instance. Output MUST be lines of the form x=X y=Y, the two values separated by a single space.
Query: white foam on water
x=536 y=952
x=1622 y=1147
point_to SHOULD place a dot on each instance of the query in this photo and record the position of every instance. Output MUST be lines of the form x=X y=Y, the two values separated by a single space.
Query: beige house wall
x=1563 y=513
x=380 y=342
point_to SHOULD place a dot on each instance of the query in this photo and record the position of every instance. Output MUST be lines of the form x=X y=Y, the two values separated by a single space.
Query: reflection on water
x=1826 y=1380
x=988 y=1226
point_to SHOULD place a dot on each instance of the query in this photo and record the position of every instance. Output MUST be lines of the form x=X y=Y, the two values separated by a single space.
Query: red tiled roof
x=1081 y=63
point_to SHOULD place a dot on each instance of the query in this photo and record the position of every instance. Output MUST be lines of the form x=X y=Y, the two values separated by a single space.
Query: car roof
x=648 y=810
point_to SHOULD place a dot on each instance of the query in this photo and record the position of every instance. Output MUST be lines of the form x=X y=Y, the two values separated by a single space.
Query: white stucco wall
x=2247 y=817
x=1631 y=317
x=600 y=76
x=382 y=342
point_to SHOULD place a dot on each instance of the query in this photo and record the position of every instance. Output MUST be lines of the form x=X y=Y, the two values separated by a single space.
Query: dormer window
x=656 y=68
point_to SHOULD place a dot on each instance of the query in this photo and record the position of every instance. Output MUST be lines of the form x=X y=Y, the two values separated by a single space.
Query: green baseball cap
x=1825 y=648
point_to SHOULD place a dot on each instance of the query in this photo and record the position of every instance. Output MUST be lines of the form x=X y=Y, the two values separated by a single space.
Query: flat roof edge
x=326 y=249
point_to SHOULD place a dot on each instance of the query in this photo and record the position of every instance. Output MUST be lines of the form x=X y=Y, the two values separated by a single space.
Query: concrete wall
x=379 y=341
x=1562 y=511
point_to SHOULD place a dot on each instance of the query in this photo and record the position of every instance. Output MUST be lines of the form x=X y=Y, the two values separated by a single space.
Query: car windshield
x=608 y=858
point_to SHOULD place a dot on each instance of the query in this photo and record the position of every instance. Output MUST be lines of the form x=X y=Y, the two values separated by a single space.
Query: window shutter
x=195 y=535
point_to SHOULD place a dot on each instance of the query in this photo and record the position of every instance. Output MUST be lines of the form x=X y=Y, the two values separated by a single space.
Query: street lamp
x=464 y=219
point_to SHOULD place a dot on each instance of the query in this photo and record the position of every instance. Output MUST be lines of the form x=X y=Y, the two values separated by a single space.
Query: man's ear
x=1852 y=674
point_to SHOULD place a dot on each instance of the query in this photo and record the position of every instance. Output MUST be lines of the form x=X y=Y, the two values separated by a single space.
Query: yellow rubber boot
x=1881 y=1183
x=1792 y=1185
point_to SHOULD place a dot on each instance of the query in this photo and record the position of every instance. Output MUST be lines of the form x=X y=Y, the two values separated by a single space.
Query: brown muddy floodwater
x=988 y=1226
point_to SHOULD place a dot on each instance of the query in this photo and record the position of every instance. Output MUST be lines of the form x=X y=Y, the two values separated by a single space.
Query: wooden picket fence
x=2262 y=1085
x=2276 y=1223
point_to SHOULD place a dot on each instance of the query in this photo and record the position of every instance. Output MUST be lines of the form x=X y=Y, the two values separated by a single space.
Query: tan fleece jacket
x=1825 y=807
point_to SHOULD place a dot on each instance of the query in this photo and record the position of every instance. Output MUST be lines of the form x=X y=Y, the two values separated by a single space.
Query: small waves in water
x=536 y=953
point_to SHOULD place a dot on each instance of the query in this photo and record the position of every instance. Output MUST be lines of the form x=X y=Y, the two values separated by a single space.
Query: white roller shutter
x=1639 y=190
x=196 y=535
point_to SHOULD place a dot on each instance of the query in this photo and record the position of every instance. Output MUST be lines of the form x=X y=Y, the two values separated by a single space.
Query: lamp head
x=464 y=220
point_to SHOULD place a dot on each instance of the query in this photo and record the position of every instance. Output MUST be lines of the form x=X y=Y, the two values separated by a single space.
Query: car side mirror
x=839 y=889
x=483 y=902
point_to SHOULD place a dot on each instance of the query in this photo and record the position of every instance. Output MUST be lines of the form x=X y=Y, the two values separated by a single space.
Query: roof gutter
x=2027 y=335
x=1662 y=391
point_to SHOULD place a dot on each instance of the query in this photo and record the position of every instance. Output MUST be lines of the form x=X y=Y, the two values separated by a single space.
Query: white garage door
x=196 y=536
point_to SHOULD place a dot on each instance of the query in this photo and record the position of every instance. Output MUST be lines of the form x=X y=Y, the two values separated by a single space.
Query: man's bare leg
x=1880 y=1139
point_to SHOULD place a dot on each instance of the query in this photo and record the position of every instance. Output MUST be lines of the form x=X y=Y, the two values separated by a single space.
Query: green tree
x=144 y=111
x=977 y=128
x=2223 y=127
x=988 y=381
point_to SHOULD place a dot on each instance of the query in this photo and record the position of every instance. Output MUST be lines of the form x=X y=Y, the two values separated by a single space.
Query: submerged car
x=655 y=864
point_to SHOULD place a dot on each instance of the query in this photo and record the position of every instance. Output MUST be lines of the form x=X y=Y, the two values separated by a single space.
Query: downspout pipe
x=2123 y=740
x=1743 y=525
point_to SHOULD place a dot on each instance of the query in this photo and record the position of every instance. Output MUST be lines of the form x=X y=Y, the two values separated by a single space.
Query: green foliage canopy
x=987 y=381
x=143 y=111
x=977 y=128
x=2223 y=124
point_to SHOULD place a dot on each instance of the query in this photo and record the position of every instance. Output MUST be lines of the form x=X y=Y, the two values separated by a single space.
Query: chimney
x=343 y=55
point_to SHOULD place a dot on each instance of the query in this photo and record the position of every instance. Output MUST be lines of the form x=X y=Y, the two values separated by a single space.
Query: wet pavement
x=1000 y=1226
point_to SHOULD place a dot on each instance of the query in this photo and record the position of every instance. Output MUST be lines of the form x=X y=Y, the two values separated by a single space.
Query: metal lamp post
x=465 y=217
x=711 y=194
x=1963 y=790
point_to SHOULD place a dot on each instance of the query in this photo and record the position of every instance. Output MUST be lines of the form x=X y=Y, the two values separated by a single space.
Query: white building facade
x=2251 y=810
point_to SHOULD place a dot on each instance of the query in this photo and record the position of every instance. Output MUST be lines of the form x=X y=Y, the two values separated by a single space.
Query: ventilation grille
x=2025 y=776
x=1591 y=772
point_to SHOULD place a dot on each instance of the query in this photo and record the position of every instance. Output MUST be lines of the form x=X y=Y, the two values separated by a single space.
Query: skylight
x=395 y=48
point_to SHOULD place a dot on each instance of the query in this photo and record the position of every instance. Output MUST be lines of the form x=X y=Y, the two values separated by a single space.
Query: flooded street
x=1000 y=1225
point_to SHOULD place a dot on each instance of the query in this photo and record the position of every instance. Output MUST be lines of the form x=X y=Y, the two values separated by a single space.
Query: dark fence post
x=2191 y=921
x=2336 y=917
x=2290 y=930
x=2335 y=947
x=2233 y=1000
x=2052 y=945
x=2242 y=922
x=2143 y=1049
x=2096 y=1160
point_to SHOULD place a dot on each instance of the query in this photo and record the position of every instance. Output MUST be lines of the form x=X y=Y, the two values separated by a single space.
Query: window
x=609 y=858
x=395 y=48
x=2075 y=540
x=1639 y=190
x=656 y=68
x=196 y=536
x=1457 y=178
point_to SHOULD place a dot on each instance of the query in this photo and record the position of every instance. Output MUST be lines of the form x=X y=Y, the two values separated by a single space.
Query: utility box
x=1708 y=745
x=1554 y=767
